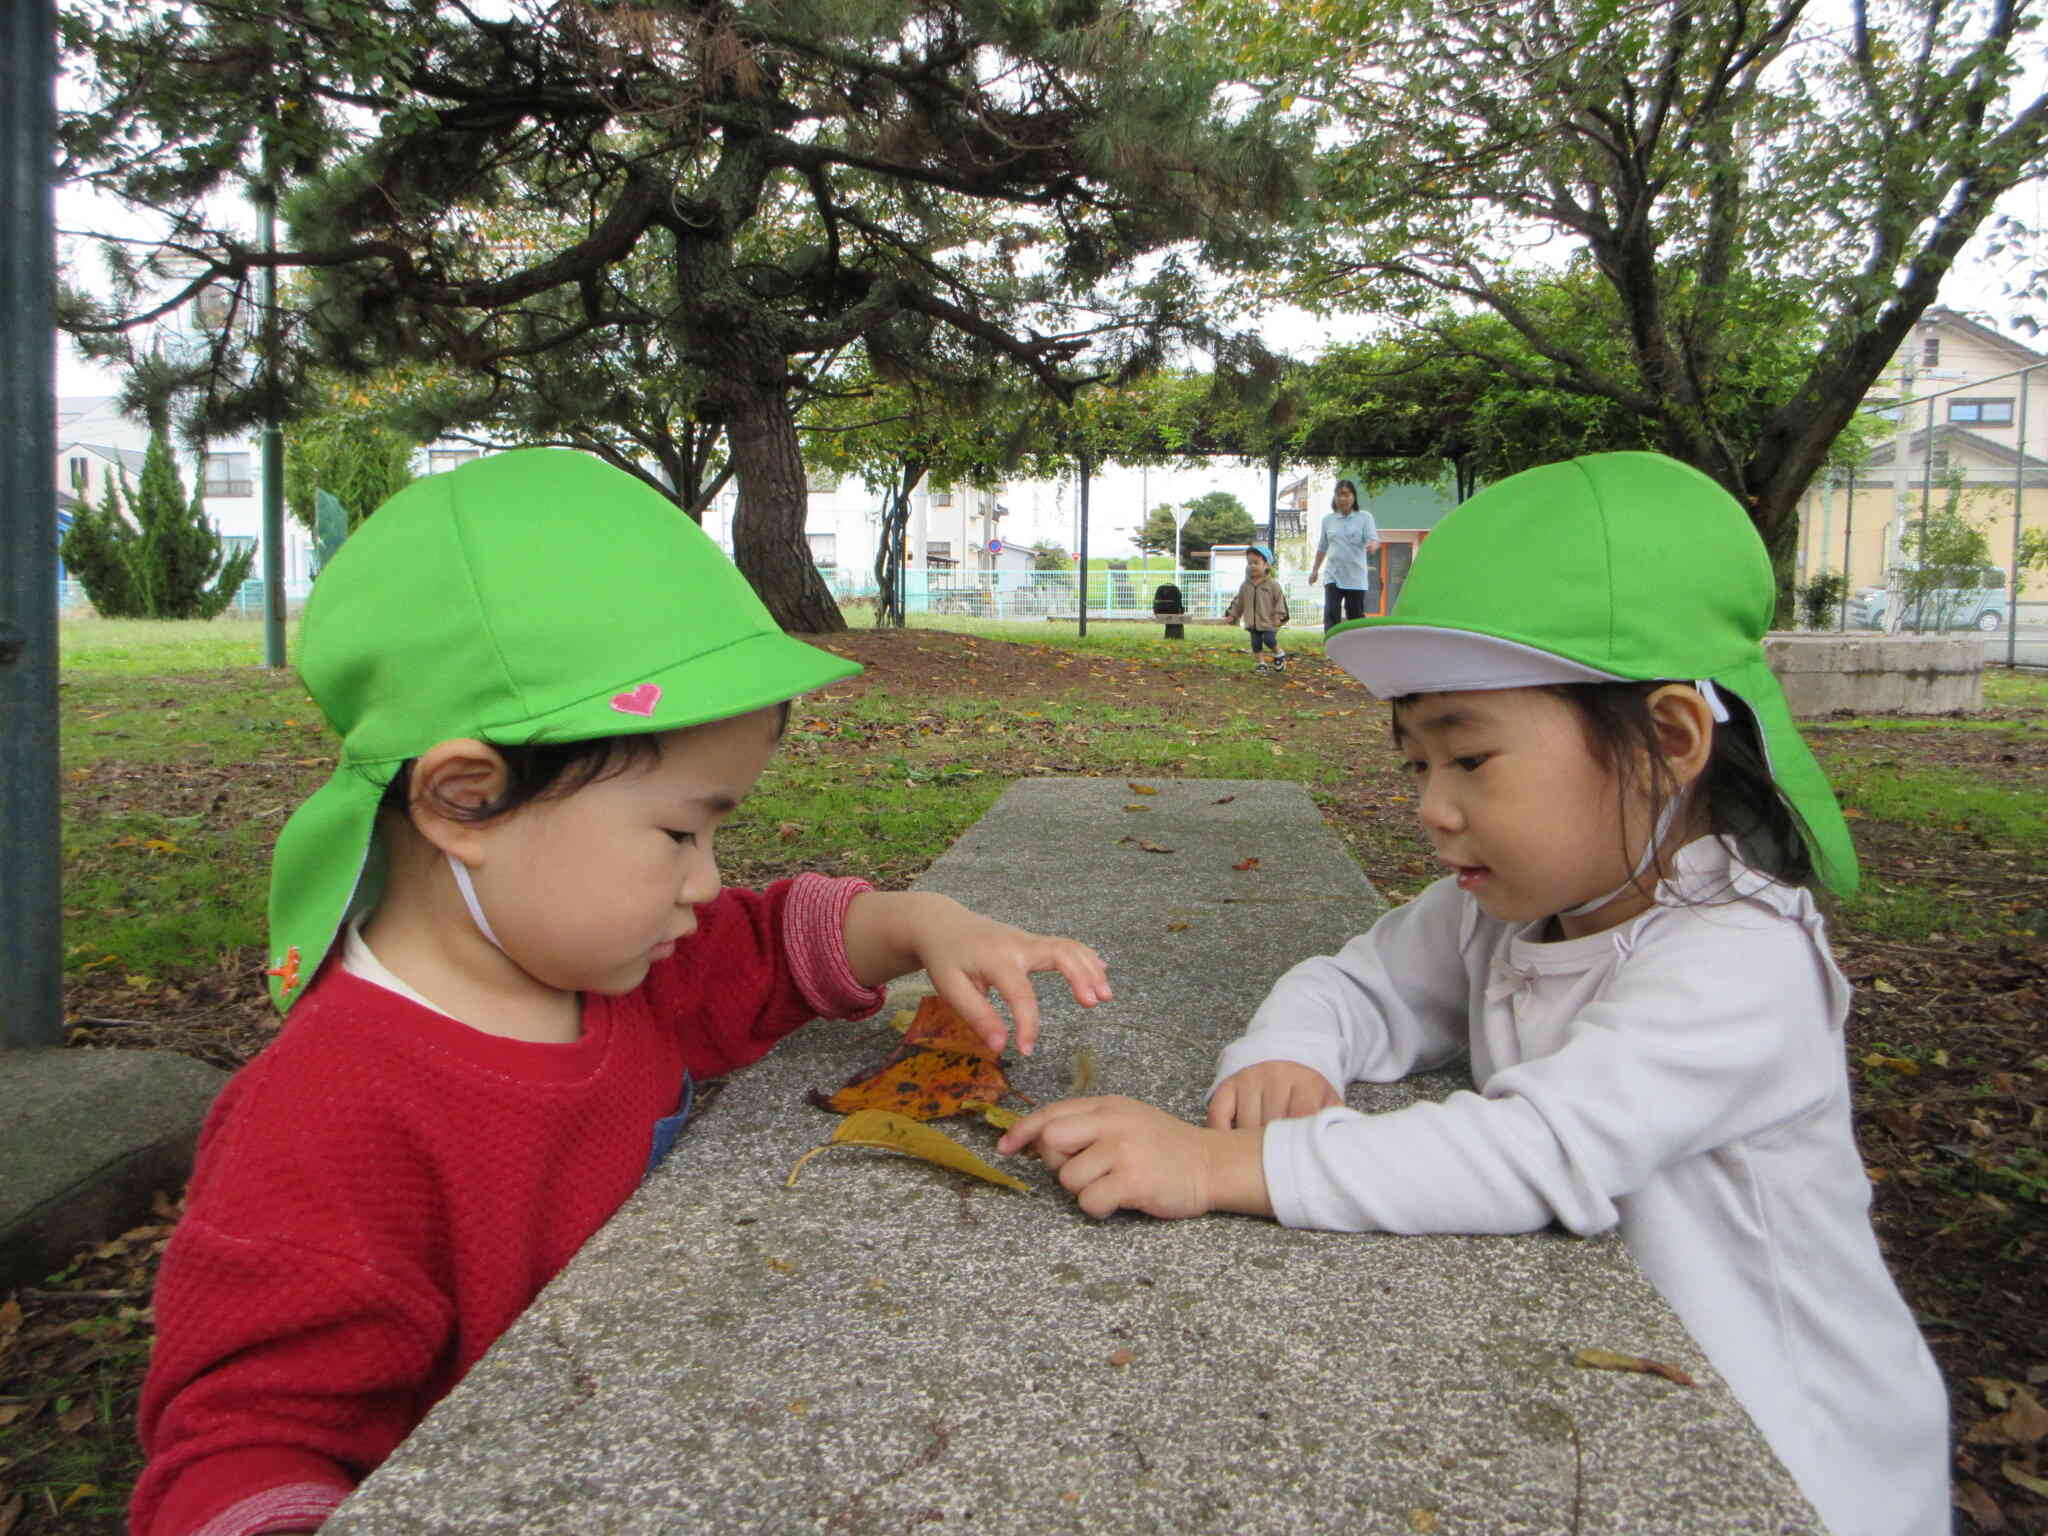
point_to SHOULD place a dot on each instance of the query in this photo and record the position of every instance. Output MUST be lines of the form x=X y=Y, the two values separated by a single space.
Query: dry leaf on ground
x=939 y=1069
x=1608 y=1360
x=893 y=1133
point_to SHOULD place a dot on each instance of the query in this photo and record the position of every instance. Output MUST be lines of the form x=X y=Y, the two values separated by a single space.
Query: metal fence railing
x=247 y=604
x=1028 y=595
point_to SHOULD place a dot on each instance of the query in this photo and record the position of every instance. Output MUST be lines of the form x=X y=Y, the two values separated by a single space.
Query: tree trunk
x=889 y=554
x=768 y=529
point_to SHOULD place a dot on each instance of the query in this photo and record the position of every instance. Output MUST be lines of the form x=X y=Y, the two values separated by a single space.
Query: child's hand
x=890 y=933
x=1272 y=1090
x=1117 y=1154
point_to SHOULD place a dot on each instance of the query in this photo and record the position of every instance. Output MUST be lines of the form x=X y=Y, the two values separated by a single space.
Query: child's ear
x=450 y=779
x=1684 y=723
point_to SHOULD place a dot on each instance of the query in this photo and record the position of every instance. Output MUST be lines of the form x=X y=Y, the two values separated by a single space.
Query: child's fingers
x=1055 y=1131
x=969 y=997
x=1086 y=973
x=1223 y=1107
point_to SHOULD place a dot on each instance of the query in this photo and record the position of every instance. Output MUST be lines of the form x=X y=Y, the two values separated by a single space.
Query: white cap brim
x=1394 y=660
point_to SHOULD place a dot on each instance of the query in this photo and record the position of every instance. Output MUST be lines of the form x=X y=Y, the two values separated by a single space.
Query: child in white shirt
x=1608 y=769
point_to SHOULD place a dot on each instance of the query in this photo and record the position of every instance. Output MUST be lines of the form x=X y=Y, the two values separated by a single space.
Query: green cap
x=1612 y=567
x=534 y=596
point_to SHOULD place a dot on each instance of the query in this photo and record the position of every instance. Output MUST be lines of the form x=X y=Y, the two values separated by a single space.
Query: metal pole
x=2019 y=488
x=1848 y=534
x=1273 y=504
x=1083 y=460
x=31 y=893
x=272 y=445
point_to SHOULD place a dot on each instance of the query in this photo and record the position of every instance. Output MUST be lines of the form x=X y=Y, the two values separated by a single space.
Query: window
x=227 y=474
x=942 y=495
x=440 y=460
x=824 y=550
x=232 y=544
x=1985 y=413
x=80 y=472
x=1930 y=351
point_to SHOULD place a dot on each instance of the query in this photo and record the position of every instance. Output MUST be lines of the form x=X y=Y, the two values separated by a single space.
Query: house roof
x=1948 y=434
x=130 y=459
x=1957 y=320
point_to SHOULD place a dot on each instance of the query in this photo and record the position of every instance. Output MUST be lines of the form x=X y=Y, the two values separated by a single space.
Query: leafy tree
x=160 y=559
x=349 y=449
x=1214 y=517
x=1707 y=165
x=798 y=177
x=1947 y=548
x=1048 y=556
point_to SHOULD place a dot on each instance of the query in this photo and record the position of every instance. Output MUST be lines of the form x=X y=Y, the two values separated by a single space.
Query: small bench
x=887 y=1346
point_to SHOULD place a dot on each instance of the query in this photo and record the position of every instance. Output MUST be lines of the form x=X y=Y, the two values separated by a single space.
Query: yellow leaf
x=1898 y=1064
x=1423 y=1520
x=1608 y=1360
x=1141 y=789
x=2018 y=1474
x=82 y=1491
x=896 y=1133
x=1881 y=985
x=994 y=1114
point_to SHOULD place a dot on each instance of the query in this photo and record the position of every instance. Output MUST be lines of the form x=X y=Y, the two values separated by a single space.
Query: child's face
x=1518 y=807
x=588 y=890
x=1255 y=567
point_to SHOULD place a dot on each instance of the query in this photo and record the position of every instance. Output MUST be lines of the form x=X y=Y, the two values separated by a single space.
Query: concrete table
x=887 y=1347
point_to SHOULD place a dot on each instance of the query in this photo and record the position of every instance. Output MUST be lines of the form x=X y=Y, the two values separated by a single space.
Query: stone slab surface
x=1920 y=674
x=86 y=1138
x=886 y=1346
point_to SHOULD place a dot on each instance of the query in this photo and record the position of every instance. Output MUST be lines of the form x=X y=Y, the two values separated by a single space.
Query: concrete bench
x=887 y=1346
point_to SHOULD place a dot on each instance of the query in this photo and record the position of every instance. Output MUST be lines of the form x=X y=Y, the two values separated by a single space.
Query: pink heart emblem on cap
x=640 y=701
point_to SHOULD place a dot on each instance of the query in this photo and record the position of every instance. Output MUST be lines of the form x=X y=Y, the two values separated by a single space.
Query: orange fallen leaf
x=1898 y=1064
x=1141 y=789
x=76 y=1417
x=940 y=1067
x=1122 y=1357
x=1152 y=847
x=1176 y=927
x=1608 y=1360
x=1246 y=864
x=1137 y=807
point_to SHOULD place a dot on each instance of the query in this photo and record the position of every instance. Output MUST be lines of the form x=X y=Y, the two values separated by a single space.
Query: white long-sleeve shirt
x=1682 y=1076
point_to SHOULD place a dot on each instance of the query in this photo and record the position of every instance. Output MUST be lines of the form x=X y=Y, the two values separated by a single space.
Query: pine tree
x=95 y=551
x=163 y=561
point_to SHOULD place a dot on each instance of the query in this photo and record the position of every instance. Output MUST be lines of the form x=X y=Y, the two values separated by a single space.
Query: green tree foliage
x=348 y=448
x=1709 y=166
x=160 y=559
x=1214 y=517
x=1048 y=556
x=792 y=179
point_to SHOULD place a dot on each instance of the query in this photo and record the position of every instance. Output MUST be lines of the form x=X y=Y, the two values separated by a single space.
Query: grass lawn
x=182 y=756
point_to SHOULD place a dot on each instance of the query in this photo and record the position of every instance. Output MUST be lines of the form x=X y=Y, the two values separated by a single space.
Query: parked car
x=1980 y=606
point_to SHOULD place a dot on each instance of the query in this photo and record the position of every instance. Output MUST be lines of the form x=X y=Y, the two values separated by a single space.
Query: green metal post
x=31 y=924
x=272 y=448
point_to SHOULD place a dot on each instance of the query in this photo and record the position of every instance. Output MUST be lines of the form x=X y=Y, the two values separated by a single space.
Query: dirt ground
x=1946 y=1039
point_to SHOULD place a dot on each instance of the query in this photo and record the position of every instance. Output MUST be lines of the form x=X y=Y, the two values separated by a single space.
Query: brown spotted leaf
x=939 y=1069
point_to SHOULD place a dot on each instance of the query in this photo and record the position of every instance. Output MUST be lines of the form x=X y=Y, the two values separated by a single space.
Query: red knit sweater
x=382 y=1191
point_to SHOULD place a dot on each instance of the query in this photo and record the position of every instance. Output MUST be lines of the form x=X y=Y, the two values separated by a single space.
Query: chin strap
x=476 y=909
x=1708 y=692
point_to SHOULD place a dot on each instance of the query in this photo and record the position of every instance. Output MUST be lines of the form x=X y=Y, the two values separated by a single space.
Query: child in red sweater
x=500 y=937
